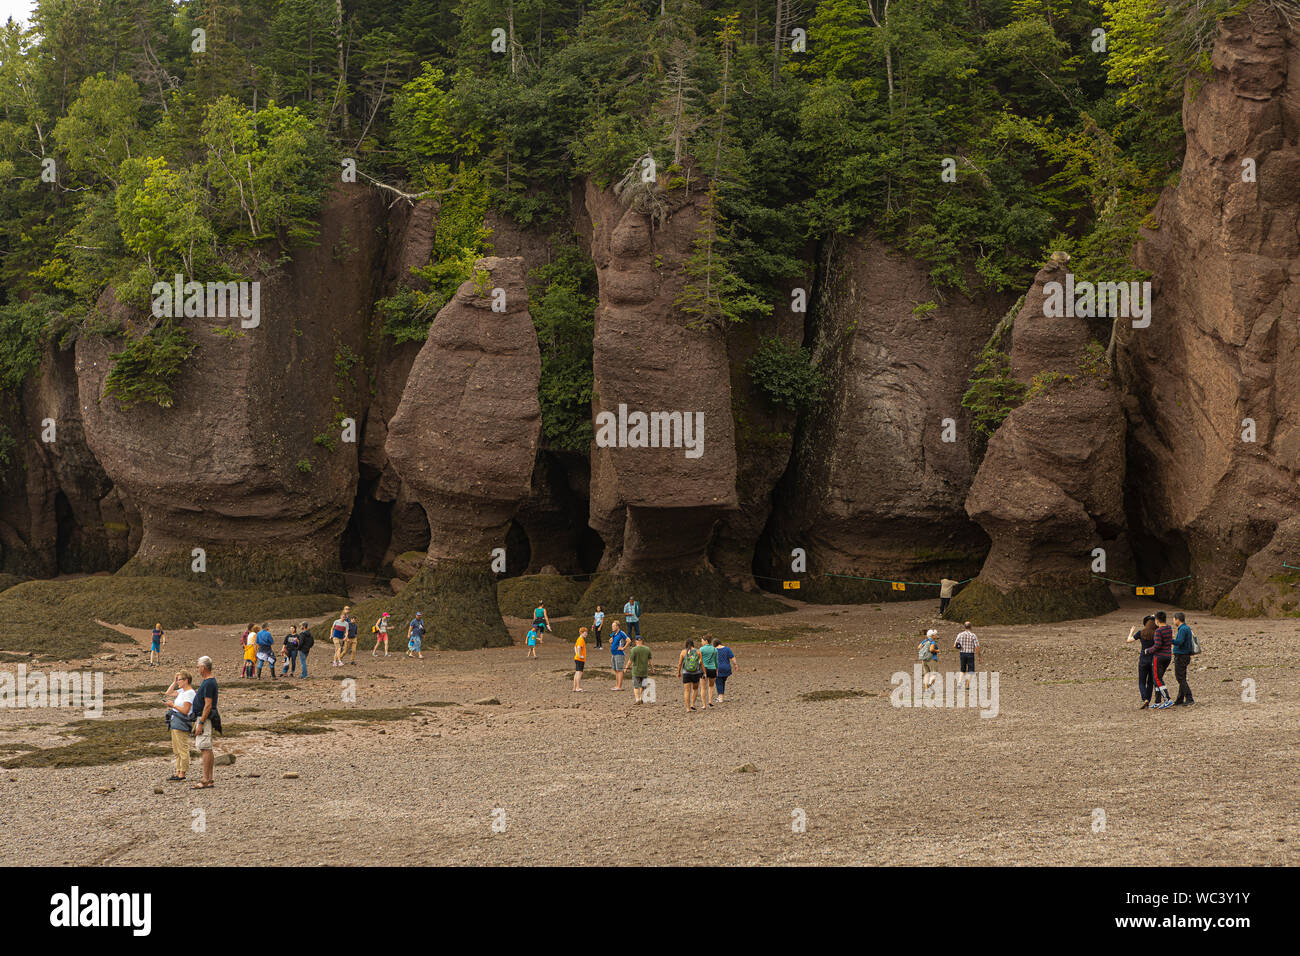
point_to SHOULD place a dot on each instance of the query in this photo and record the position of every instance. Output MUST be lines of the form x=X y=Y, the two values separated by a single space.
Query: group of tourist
x=1159 y=644
x=966 y=644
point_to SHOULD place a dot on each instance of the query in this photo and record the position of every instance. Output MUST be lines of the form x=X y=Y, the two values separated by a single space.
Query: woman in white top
x=180 y=697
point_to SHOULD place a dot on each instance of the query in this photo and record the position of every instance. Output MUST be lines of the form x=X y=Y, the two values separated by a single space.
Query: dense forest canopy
x=140 y=138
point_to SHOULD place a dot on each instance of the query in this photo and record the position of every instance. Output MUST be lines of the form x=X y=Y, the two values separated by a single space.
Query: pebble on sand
x=746 y=768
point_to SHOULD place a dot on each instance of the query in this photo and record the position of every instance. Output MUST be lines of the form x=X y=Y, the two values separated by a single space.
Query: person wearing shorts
x=618 y=643
x=339 y=635
x=639 y=662
x=541 y=621
x=414 y=636
x=690 y=667
x=967 y=645
x=579 y=658
x=531 y=641
x=381 y=635
x=928 y=653
x=204 y=707
x=709 y=655
x=157 y=640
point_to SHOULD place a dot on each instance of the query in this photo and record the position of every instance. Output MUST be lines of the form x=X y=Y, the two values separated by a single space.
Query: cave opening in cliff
x=65 y=523
x=369 y=531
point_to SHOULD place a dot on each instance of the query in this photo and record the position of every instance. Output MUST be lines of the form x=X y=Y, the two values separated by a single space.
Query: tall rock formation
x=464 y=439
x=875 y=489
x=656 y=507
x=1051 y=485
x=249 y=463
x=1214 y=416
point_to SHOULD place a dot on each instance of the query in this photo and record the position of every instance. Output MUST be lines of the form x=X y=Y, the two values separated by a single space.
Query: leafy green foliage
x=562 y=302
x=784 y=372
x=146 y=369
x=993 y=392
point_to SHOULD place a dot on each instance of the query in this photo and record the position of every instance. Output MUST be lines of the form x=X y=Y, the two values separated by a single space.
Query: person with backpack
x=380 y=630
x=1184 y=647
x=157 y=641
x=290 y=650
x=1161 y=653
x=690 y=668
x=1146 y=638
x=305 y=643
x=709 y=657
x=180 y=721
x=726 y=665
x=541 y=622
x=927 y=652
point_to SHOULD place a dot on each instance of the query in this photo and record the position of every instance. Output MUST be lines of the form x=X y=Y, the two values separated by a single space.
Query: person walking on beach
x=157 y=641
x=618 y=643
x=541 y=622
x=597 y=622
x=946 y=587
x=180 y=721
x=305 y=643
x=381 y=635
x=265 y=651
x=531 y=641
x=638 y=660
x=208 y=718
x=339 y=635
x=352 y=640
x=632 y=615
x=1182 y=648
x=726 y=665
x=415 y=636
x=709 y=657
x=928 y=654
x=690 y=668
x=290 y=650
x=1161 y=653
x=248 y=650
x=968 y=646
x=579 y=658
x=1146 y=638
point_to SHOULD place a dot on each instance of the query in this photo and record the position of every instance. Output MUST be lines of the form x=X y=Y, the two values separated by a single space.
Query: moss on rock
x=250 y=568
x=983 y=604
x=459 y=604
x=702 y=592
x=58 y=618
x=517 y=597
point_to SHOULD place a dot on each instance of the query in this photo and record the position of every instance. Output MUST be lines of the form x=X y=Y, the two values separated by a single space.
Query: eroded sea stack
x=464 y=439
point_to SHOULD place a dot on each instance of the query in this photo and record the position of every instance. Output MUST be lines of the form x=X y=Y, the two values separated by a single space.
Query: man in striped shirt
x=968 y=644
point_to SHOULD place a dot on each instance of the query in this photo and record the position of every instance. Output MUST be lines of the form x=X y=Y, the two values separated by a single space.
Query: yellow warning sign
x=790 y=585
x=898 y=586
x=1146 y=592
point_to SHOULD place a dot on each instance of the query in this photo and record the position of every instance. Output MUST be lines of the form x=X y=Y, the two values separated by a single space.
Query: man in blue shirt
x=265 y=650
x=1182 y=649
x=632 y=615
x=415 y=636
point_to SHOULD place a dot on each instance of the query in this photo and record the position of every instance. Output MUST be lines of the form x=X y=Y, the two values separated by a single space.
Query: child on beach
x=532 y=643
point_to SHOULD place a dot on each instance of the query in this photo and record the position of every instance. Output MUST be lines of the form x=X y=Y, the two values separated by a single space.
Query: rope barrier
x=1125 y=584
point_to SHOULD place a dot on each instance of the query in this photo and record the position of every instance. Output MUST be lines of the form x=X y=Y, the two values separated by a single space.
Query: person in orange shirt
x=579 y=658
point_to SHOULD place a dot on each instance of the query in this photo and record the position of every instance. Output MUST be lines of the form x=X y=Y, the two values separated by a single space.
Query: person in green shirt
x=709 y=654
x=639 y=661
